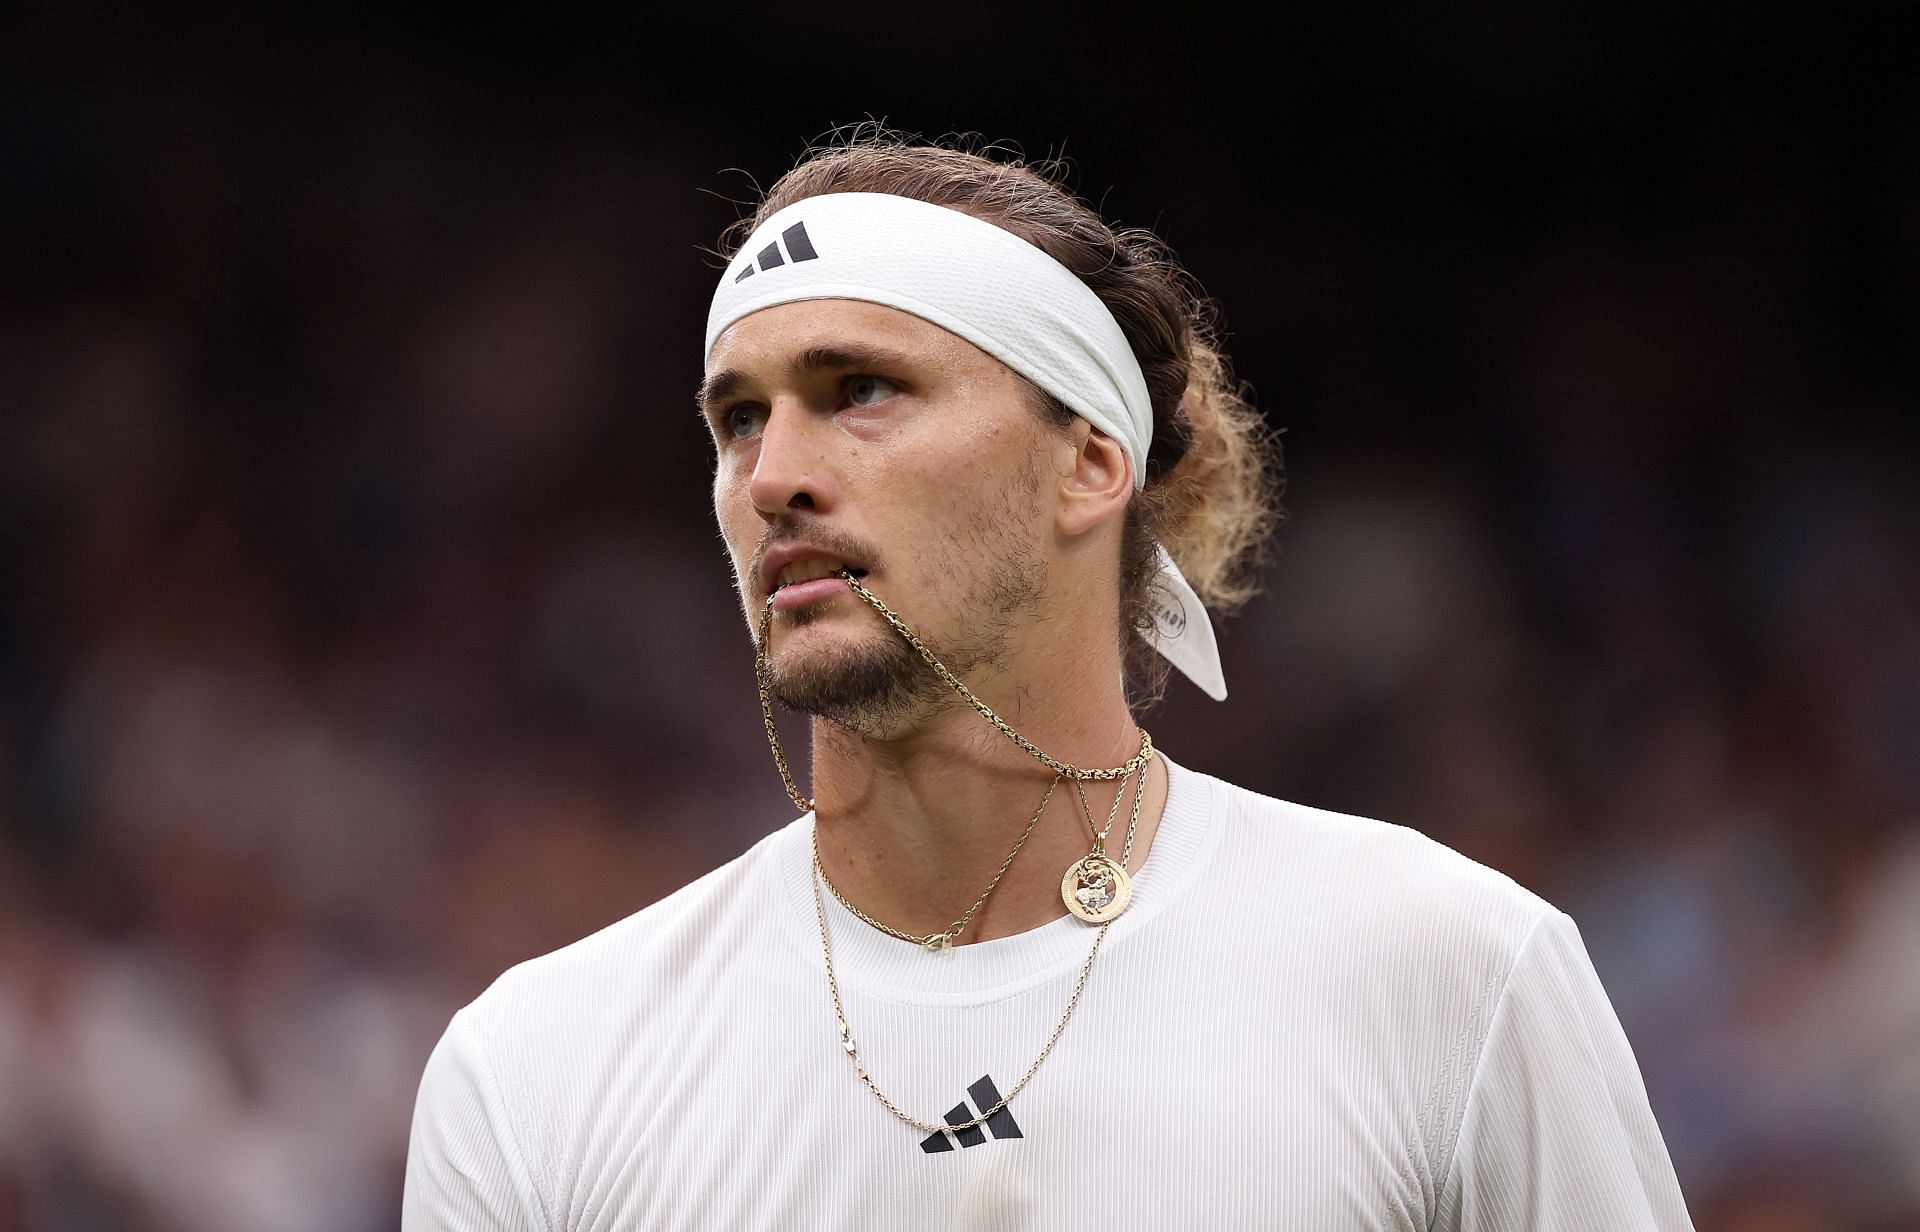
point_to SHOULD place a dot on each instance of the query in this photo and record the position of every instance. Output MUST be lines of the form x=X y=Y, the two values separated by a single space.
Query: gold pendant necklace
x=1096 y=888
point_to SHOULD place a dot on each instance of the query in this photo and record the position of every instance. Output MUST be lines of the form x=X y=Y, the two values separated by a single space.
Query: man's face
x=858 y=436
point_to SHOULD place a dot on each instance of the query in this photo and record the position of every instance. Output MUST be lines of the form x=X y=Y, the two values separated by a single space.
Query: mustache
x=814 y=534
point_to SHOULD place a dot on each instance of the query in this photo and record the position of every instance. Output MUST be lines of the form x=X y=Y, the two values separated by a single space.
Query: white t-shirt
x=1304 y=1020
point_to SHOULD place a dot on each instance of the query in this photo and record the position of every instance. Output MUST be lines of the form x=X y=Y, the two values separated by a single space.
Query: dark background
x=363 y=629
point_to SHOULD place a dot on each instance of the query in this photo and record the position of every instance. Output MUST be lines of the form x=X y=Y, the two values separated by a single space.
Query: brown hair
x=1213 y=477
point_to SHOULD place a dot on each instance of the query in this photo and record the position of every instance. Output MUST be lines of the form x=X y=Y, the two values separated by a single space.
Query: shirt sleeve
x=1557 y=1134
x=465 y=1170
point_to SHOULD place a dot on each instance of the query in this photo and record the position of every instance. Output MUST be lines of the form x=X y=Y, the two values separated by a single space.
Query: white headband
x=1000 y=293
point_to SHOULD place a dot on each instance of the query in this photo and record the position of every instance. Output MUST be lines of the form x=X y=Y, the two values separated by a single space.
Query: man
x=980 y=468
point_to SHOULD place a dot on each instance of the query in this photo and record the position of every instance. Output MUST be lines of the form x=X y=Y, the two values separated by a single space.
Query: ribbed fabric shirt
x=1304 y=1020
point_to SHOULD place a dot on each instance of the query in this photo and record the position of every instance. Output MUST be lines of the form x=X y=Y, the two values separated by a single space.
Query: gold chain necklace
x=1106 y=902
x=945 y=938
x=1100 y=832
x=853 y=1049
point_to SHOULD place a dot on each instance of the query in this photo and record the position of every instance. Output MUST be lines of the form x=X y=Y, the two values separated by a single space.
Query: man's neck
x=912 y=829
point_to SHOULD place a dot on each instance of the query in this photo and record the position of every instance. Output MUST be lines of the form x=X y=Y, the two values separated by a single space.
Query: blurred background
x=363 y=630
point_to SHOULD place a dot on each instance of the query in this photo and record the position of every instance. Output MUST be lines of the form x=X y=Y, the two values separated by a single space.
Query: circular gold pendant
x=1096 y=888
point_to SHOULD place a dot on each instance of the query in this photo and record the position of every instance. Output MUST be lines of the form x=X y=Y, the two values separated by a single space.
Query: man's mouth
x=810 y=580
x=808 y=570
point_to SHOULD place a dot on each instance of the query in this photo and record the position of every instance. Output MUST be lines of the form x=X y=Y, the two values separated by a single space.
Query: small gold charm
x=1096 y=888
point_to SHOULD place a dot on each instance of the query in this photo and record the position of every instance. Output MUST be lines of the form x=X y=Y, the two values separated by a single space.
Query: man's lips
x=802 y=558
x=802 y=594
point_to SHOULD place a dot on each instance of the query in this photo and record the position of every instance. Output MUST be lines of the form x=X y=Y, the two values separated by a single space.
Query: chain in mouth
x=810 y=571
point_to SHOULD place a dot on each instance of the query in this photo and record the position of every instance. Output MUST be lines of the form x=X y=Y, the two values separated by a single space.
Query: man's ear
x=1096 y=480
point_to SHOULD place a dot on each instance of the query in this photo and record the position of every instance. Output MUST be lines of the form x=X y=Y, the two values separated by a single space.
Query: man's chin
x=865 y=683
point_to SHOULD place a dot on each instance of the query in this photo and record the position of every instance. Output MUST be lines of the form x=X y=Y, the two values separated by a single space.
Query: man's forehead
x=778 y=336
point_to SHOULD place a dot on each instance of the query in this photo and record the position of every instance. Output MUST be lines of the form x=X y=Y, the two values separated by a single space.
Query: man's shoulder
x=1406 y=941
x=1375 y=883
x=641 y=959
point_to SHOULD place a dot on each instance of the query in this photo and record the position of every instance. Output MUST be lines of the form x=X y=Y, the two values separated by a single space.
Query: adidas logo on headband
x=799 y=248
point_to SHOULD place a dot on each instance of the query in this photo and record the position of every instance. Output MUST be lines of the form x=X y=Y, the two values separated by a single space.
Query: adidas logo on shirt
x=799 y=248
x=1000 y=1124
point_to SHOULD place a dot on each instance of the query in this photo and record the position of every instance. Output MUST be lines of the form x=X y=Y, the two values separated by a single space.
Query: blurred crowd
x=363 y=630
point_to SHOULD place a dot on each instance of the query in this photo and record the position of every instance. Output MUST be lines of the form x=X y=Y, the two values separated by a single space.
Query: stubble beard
x=880 y=686
x=871 y=688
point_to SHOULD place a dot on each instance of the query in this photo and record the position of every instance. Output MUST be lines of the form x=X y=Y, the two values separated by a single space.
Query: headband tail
x=1182 y=632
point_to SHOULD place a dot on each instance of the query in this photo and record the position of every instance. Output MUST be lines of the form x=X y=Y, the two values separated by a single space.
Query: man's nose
x=790 y=471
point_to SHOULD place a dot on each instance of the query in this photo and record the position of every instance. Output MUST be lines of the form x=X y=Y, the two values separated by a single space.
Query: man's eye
x=740 y=421
x=867 y=390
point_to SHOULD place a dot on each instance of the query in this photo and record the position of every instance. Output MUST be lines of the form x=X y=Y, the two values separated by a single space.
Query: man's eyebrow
x=850 y=355
x=721 y=385
x=717 y=388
